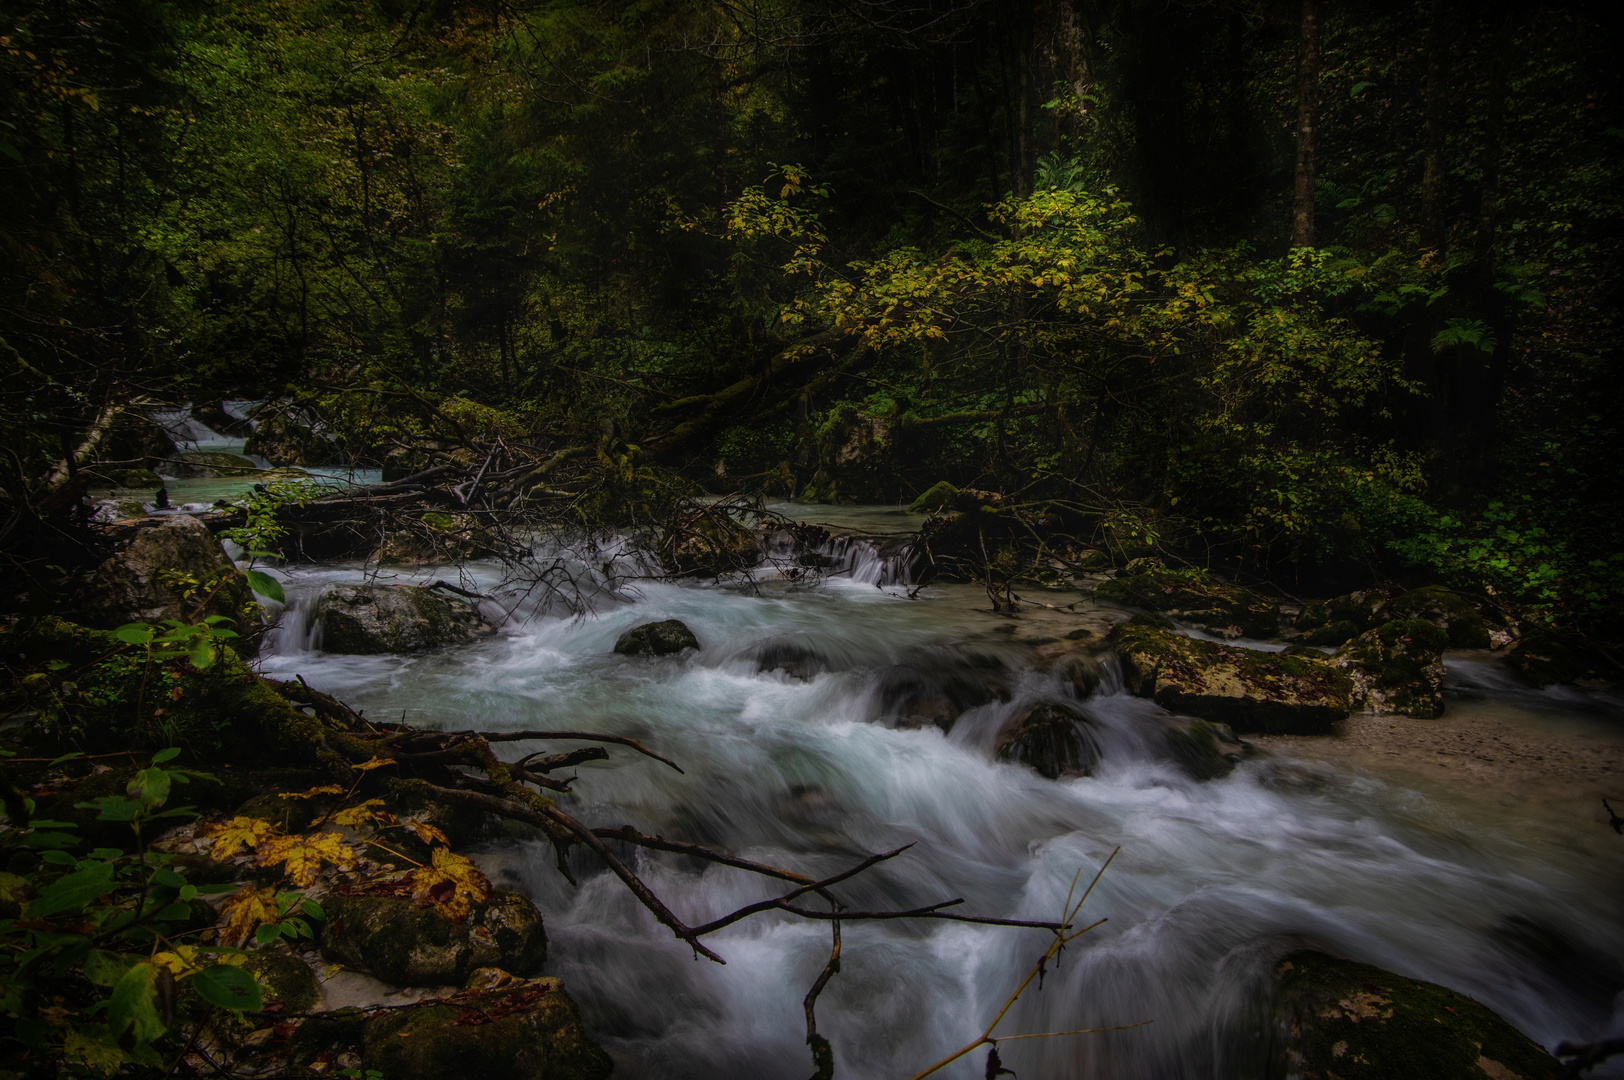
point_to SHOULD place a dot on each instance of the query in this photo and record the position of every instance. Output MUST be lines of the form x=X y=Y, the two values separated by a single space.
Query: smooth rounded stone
x=1203 y=749
x=153 y=565
x=1449 y=611
x=937 y=497
x=211 y=463
x=288 y=979
x=404 y=943
x=367 y=620
x=1051 y=738
x=1194 y=597
x=1336 y=1018
x=1248 y=689
x=528 y=1031
x=1397 y=669
x=656 y=639
x=794 y=659
x=937 y=687
x=1075 y=663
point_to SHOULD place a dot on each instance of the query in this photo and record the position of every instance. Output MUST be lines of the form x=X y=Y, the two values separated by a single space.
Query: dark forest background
x=1321 y=290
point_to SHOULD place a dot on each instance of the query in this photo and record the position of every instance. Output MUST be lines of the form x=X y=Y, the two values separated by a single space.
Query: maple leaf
x=325 y=789
x=356 y=816
x=239 y=832
x=374 y=763
x=449 y=884
x=246 y=911
x=426 y=832
x=303 y=856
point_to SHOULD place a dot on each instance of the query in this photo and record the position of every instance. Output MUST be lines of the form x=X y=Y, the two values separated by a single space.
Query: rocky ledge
x=1194 y=597
x=367 y=620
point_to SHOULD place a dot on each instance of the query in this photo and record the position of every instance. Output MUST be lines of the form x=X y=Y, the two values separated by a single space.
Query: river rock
x=1448 y=610
x=1052 y=738
x=1250 y=690
x=211 y=463
x=403 y=943
x=154 y=565
x=710 y=547
x=937 y=497
x=1397 y=668
x=937 y=687
x=365 y=620
x=1342 y=618
x=288 y=979
x=1338 y=1019
x=1205 y=750
x=1544 y=657
x=793 y=658
x=282 y=440
x=523 y=1031
x=1194 y=597
x=1075 y=662
x=657 y=639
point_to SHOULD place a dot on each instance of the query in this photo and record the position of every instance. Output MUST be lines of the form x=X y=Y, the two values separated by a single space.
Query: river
x=1330 y=843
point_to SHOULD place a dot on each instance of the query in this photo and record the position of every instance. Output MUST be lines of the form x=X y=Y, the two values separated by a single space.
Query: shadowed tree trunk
x=1302 y=210
x=1432 y=125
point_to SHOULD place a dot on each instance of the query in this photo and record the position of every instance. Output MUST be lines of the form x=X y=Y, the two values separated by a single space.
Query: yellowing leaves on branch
x=449 y=884
x=302 y=857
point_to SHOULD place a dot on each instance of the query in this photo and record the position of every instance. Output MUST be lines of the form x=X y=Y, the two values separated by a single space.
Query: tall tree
x=1302 y=208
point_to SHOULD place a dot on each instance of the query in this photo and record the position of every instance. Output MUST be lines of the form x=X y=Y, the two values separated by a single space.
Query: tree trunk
x=1432 y=126
x=1302 y=210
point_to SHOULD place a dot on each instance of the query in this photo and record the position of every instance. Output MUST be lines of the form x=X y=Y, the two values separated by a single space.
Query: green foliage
x=101 y=944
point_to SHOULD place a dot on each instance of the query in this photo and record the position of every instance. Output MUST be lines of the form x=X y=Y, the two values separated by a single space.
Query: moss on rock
x=710 y=547
x=1204 y=750
x=365 y=620
x=1247 y=689
x=1361 y=607
x=1397 y=668
x=1349 y=1021
x=541 y=1040
x=657 y=639
x=1453 y=613
x=937 y=497
x=287 y=978
x=1194 y=597
x=406 y=944
x=1052 y=738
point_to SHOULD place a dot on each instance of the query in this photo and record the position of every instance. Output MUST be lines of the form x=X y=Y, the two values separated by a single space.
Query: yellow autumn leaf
x=246 y=911
x=355 y=816
x=303 y=856
x=448 y=884
x=426 y=832
x=375 y=763
x=239 y=832
x=182 y=961
x=325 y=789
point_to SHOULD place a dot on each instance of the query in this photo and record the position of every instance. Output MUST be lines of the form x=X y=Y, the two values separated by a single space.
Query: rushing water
x=1214 y=881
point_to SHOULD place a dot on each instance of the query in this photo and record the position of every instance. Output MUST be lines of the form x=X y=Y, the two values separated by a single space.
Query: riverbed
x=1386 y=844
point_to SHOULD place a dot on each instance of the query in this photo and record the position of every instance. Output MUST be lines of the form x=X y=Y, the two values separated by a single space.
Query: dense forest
x=1206 y=310
x=1321 y=294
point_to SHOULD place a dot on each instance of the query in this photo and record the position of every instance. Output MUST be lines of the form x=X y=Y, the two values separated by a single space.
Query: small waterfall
x=297 y=629
x=802 y=550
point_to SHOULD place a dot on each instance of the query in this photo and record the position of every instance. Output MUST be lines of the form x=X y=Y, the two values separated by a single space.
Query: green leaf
x=134 y=633
x=133 y=1004
x=104 y=968
x=150 y=786
x=313 y=909
x=266 y=585
x=72 y=891
x=60 y=858
x=201 y=654
x=174 y=913
x=228 y=987
x=166 y=876
x=112 y=808
x=166 y=755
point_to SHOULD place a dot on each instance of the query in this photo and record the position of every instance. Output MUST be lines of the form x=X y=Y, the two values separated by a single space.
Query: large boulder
x=402 y=942
x=1397 y=669
x=1337 y=1020
x=1451 y=612
x=711 y=546
x=1194 y=597
x=166 y=568
x=938 y=496
x=1204 y=750
x=1544 y=657
x=1250 y=690
x=1052 y=738
x=524 y=1031
x=366 y=620
x=935 y=688
x=656 y=639
x=1341 y=618
x=282 y=440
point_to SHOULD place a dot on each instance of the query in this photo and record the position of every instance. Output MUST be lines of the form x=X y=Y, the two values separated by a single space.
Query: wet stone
x=366 y=620
x=657 y=639
x=1051 y=738
x=401 y=942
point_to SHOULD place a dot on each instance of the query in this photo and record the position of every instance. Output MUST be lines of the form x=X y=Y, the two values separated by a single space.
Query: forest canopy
x=1324 y=292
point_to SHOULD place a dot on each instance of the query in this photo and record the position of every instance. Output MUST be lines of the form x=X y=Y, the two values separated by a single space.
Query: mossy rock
x=1250 y=690
x=1052 y=738
x=160 y=570
x=326 y=1033
x=1362 y=608
x=710 y=547
x=366 y=620
x=543 y=1040
x=1444 y=608
x=289 y=814
x=938 y=496
x=1195 y=597
x=1334 y=633
x=1204 y=750
x=286 y=978
x=1397 y=668
x=657 y=639
x=1545 y=658
x=1338 y=1020
x=409 y=945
